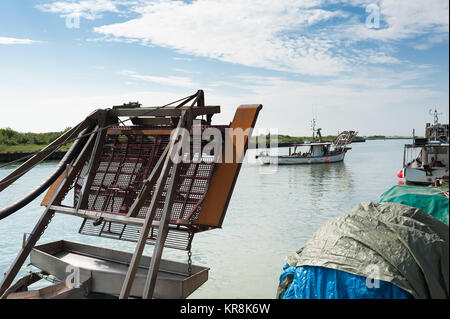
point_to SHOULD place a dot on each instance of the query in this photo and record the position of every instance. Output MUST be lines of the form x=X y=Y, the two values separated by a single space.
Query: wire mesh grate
x=125 y=161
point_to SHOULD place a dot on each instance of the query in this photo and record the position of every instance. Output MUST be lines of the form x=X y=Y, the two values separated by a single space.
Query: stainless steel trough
x=107 y=269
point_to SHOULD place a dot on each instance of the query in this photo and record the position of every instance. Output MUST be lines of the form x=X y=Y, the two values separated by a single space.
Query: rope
x=49 y=278
x=444 y=193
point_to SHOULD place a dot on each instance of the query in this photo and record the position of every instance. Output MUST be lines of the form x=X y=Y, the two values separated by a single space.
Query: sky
x=377 y=67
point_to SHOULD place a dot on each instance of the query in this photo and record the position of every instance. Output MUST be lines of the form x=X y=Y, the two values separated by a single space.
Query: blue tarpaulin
x=310 y=282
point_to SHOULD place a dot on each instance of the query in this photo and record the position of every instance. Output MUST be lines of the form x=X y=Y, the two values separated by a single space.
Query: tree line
x=11 y=137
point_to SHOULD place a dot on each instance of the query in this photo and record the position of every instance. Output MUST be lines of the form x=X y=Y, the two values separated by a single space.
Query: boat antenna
x=435 y=114
x=313 y=127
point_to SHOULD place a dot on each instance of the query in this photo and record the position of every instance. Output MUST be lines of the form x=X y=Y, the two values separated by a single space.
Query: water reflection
x=331 y=177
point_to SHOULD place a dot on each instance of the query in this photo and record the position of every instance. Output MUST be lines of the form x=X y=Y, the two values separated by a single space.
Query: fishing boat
x=433 y=158
x=315 y=152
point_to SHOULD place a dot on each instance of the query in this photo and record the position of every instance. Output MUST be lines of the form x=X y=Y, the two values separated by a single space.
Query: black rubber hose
x=70 y=155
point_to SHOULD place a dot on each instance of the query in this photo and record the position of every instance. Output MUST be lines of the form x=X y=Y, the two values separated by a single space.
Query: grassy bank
x=12 y=141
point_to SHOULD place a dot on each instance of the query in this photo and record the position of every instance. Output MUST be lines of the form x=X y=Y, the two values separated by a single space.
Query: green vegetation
x=288 y=139
x=359 y=139
x=382 y=137
x=376 y=137
x=12 y=141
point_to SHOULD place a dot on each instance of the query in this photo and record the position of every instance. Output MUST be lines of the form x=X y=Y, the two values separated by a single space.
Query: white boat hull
x=420 y=176
x=294 y=160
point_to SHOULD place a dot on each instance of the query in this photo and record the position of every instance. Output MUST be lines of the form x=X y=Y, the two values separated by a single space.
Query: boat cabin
x=310 y=149
x=432 y=154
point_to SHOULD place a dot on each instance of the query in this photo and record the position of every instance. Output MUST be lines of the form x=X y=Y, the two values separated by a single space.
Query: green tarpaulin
x=430 y=200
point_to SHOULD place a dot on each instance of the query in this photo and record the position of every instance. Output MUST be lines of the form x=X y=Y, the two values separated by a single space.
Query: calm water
x=271 y=214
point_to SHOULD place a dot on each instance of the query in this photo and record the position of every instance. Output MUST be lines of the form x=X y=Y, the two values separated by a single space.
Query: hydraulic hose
x=70 y=155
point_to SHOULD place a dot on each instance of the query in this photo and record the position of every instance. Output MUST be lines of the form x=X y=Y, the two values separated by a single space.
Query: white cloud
x=88 y=9
x=164 y=80
x=370 y=88
x=371 y=56
x=309 y=37
x=186 y=71
x=181 y=59
x=259 y=33
x=305 y=37
x=401 y=19
x=11 y=41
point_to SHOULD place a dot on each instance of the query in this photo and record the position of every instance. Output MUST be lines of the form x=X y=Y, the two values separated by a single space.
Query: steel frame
x=163 y=178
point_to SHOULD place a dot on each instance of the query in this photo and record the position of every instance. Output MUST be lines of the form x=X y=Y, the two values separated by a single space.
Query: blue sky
x=373 y=66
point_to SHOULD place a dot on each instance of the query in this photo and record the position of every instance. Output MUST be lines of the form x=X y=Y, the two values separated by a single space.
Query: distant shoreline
x=9 y=157
x=16 y=145
x=6 y=157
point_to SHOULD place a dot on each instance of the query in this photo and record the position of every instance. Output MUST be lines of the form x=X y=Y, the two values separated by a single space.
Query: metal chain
x=189 y=261
x=189 y=247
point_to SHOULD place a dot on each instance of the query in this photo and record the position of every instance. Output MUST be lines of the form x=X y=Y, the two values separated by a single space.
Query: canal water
x=272 y=213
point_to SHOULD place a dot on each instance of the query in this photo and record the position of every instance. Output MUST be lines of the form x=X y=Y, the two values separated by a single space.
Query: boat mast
x=313 y=127
x=435 y=115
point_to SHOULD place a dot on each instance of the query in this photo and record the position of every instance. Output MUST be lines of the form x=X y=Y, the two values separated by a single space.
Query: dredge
x=132 y=183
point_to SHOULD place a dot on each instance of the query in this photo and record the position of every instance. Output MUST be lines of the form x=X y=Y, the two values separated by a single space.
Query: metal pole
x=151 y=212
x=163 y=230
x=404 y=156
x=95 y=155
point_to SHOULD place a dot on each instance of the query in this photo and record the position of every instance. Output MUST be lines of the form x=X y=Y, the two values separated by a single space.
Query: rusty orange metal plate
x=222 y=184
